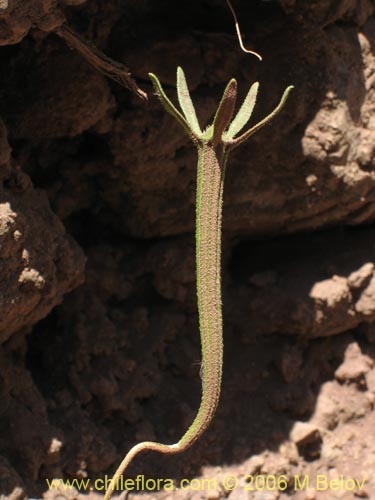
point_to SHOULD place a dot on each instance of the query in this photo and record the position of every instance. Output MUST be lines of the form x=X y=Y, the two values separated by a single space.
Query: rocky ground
x=99 y=344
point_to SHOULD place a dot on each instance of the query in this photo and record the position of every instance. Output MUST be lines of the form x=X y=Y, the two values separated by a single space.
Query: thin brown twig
x=239 y=33
x=109 y=67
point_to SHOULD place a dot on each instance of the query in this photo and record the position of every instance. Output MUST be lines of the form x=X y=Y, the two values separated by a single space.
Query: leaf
x=186 y=103
x=244 y=113
x=168 y=105
x=259 y=125
x=224 y=112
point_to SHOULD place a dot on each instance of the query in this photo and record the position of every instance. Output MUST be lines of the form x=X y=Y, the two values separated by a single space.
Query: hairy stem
x=209 y=200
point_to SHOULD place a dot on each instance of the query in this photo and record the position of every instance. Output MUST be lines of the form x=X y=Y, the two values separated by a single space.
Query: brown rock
x=73 y=3
x=370 y=380
x=39 y=262
x=64 y=97
x=307 y=438
x=326 y=413
x=254 y=464
x=325 y=12
x=291 y=364
x=355 y=365
x=18 y=16
x=5 y=153
x=365 y=304
x=11 y=485
x=299 y=301
x=358 y=279
x=304 y=433
x=353 y=404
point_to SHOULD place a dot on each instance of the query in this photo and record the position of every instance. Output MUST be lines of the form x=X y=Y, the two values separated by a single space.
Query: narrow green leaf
x=224 y=112
x=259 y=125
x=244 y=113
x=168 y=105
x=186 y=103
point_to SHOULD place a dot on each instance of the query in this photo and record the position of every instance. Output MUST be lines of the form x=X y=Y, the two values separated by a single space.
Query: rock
x=266 y=495
x=358 y=278
x=25 y=411
x=54 y=450
x=17 y=494
x=291 y=364
x=275 y=465
x=354 y=404
x=74 y=3
x=289 y=451
x=5 y=153
x=311 y=494
x=64 y=95
x=326 y=413
x=240 y=494
x=11 y=485
x=370 y=380
x=304 y=432
x=62 y=492
x=183 y=50
x=17 y=17
x=264 y=279
x=254 y=464
x=309 y=307
x=39 y=261
x=368 y=330
x=365 y=304
x=294 y=398
x=213 y=495
x=324 y=13
x=355 y=364
x=308 y=439
x=332 y=300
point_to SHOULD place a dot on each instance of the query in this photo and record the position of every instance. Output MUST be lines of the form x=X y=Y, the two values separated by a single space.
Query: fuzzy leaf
x=186 y=103
x=259 y=125
x=244 y=113
x=224 y=112
x=168 y=105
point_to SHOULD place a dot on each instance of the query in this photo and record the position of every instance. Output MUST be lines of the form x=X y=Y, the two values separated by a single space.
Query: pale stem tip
x=239 y=36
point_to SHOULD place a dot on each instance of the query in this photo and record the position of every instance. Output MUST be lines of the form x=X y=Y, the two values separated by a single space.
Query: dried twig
x=113 y=69
x=239 y=33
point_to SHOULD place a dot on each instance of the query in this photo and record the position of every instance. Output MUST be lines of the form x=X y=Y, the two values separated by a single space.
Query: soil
x=99 y=343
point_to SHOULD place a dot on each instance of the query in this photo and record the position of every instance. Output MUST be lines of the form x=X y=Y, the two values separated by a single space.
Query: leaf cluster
x=224 y=130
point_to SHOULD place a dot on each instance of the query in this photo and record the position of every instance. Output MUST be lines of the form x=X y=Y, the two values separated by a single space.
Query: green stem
x=208 y=258
x=209 y=200
x=213 y=147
